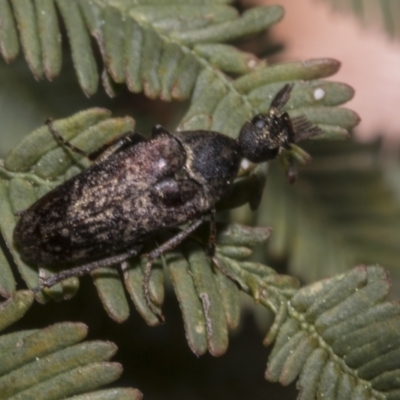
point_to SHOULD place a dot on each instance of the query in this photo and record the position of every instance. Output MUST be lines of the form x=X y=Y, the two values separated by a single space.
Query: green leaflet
x=79 y=39
x=25 y=16
x=9 y=45
x=51 y=362
x=14 y=308
x=49 y=37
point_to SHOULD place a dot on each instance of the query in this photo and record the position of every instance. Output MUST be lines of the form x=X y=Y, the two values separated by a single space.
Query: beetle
x=137 y=187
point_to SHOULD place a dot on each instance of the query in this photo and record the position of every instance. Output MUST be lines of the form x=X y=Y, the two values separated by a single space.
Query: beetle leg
x=86 y=269
x=63 y=141
x=158 y=252
x=213 y=234
x=304 y=129
x=123 y=141
x=119 y=143
x=290 y=168
x=282 y=97
x=217 y=262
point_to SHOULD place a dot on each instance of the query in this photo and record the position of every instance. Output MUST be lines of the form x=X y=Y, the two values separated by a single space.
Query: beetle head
x=267 y=135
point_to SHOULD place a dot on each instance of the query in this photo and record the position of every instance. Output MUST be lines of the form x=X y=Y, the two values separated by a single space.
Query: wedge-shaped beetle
x=139 y=187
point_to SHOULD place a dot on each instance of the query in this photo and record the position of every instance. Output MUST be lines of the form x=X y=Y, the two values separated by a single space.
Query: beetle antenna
x=304 y=129
x=282 y=97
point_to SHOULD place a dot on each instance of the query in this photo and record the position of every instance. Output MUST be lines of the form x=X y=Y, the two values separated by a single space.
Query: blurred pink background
x=370 y=59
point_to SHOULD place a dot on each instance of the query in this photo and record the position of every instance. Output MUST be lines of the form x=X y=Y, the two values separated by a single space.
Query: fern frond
x=341 y=338
x=50 y=362
x=150 y=49
x=214 y=99
x=149 y=46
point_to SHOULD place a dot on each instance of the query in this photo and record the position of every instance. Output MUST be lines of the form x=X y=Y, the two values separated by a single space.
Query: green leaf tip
x=289 y=71
x=111 y=394
x=252 y=21
x=15 y=307
x=9 y=45
x=55 y=363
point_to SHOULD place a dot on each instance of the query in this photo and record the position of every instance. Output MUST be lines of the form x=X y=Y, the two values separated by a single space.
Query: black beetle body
x=132 y=195
x=103 y=215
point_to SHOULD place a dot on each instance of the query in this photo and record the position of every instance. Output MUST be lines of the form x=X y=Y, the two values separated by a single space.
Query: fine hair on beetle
x=138 y=187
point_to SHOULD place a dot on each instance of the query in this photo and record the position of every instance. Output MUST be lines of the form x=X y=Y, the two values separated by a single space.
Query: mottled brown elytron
x=105 y=214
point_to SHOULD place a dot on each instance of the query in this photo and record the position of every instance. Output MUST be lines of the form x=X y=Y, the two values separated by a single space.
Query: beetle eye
x=259 y=121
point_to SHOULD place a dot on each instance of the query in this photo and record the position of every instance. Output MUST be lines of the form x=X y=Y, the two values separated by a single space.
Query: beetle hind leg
x=86 y=269
x=158 y=252
x=212 y=241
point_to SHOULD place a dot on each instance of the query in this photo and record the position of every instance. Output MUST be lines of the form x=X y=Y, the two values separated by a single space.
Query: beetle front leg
x=158 y=252
x=122 y=141
x=64 y=142
x=119 y=143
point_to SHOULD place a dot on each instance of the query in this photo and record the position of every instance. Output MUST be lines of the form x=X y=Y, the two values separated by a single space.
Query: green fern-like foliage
x=43 y=363
x=341 y=337
x=145 y=46
x=158 y=47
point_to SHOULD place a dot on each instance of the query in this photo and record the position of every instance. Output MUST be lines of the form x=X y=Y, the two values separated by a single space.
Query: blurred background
x=344 y=209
